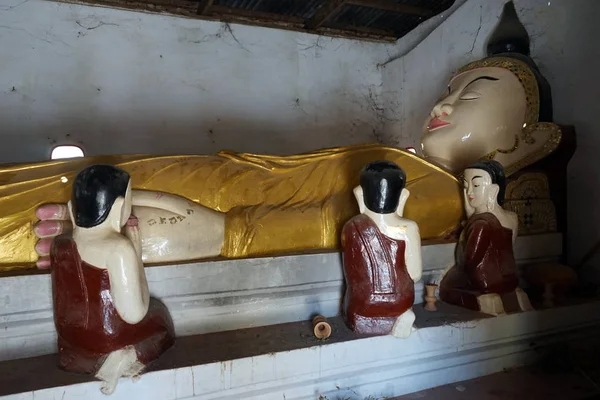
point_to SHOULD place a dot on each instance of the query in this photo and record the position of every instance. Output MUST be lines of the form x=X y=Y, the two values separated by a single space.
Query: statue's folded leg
x=523 y=299
x=516 y=301
x=403 y=326
x=491 y=303
x=120 y=363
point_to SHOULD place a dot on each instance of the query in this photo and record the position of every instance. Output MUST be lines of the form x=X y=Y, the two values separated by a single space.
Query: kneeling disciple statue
x=107 y=323
x=382 y=255
x=485 y=276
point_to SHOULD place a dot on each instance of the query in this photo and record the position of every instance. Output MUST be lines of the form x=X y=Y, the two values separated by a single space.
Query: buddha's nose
x=442 y=109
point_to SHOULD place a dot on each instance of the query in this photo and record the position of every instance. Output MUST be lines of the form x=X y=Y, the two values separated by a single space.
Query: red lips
x=436 y=123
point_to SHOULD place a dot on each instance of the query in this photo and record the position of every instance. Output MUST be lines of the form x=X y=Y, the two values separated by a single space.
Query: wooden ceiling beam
x=215 y=12
x=204 y=6
x=389 y=5
x=287 y=22
x=239 y=14
x=325 y=13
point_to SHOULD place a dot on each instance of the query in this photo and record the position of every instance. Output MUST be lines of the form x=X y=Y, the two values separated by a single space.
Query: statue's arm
x=132 y=231
x=414 y=262
x=128 y=285
x=164 y=201
x=172 y=203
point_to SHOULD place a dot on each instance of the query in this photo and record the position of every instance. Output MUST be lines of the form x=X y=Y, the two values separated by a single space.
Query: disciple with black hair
x=485 y=276
x=107 y=323
x=382 y=255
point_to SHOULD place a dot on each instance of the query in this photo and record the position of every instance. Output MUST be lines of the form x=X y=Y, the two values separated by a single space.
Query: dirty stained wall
x=116 y=81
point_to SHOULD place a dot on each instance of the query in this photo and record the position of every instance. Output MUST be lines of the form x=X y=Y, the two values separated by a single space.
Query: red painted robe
x=485 y=263
x=378 y=286
x=87 y=322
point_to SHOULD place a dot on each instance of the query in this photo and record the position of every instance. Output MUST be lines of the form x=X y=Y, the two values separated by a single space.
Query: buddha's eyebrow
x=487 y=78
x=476 y=176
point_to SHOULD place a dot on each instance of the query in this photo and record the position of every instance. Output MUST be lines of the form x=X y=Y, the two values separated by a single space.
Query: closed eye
x=470 y=95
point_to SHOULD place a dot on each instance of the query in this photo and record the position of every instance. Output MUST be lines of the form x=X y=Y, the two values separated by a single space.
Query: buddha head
x=496 y=108
x=484 y=185
x=382 y=188
x=101 y=198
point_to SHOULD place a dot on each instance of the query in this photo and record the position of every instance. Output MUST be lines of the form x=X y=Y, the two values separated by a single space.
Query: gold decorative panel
x=529 y=197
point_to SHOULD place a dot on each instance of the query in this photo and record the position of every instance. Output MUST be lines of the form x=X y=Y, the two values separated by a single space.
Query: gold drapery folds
x=274 y=204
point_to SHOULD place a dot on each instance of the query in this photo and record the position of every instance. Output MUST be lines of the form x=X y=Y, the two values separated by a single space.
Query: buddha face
x=479 y=189
x=482 y=110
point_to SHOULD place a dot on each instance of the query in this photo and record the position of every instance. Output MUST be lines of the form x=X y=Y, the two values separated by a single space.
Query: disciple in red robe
x=378 y=286
x=88 y=325
x=485 y=263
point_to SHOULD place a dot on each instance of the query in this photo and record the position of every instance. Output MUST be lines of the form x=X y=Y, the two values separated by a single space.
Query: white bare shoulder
x=411 y=225
x=514 y=219
x=110 y=251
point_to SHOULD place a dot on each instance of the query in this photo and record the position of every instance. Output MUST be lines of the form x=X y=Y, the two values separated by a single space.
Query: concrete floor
x=531 y=383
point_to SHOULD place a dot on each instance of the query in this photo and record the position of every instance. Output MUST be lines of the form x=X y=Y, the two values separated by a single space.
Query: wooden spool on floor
x=321 y=327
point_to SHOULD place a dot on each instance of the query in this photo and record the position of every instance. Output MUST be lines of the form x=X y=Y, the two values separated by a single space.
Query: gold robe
x=274 y=204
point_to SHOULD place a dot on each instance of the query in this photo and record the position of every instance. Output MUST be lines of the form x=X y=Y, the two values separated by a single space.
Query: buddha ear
x=358 y=193
x=115 y=215
x=493 y=191
x=402 y=201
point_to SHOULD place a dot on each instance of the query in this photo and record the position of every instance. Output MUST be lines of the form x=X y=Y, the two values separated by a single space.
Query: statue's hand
x=132 y=221
x=469 y=210
x=132 y=231
x=54 y=221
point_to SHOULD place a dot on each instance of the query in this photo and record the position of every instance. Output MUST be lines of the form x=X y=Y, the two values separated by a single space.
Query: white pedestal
x=225 y=295
x=285 y=362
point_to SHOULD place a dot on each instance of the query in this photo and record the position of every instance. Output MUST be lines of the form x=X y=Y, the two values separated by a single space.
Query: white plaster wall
x=563 y=43
x=116 y=81
x=123 y=82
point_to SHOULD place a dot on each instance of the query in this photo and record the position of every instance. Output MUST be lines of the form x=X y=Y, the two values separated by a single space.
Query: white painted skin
x=396 y=227
x=481 y=111
x=172 y=228
x=484 y=109
x=105 y=247
x=481 y=195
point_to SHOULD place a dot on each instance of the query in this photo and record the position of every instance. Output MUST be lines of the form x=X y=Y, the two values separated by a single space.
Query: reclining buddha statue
x=243 y=205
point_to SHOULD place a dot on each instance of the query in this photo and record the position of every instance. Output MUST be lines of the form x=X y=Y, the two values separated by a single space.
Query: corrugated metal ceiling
x=383 y=20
